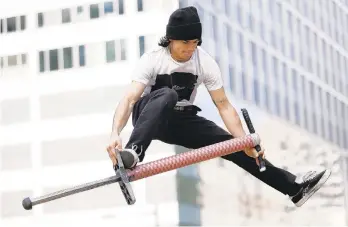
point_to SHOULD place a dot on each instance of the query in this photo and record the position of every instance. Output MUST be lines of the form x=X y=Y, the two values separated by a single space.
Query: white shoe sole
x=320 y=183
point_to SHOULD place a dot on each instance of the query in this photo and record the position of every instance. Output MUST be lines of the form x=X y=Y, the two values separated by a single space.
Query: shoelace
x=306 y=178
x=309 y=176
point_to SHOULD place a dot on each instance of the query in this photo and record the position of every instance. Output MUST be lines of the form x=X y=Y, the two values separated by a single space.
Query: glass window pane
x=42 y=61
x=79 y=9
x=23 y=22
x=140 y=5
x=141 y=45
x=108 y=7
x=277 y=102
x=244 y=85
x=40 y=19
x=232 y=79
x=256 y=90
x=123 y=50
x=11 y=24
x=53 y=55
x=24 y=59
x=253 y=54
x=12 y=60
x=68 y=58
x=120 y=7
x=66 y=17
x=110 y=51
x=94 y=11
x=82 y=55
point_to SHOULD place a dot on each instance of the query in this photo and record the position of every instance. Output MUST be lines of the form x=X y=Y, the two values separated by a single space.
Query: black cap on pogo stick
x=27 y=204
x=252 y=130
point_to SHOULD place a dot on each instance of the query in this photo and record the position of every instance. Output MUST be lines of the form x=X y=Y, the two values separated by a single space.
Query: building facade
x=64 y=66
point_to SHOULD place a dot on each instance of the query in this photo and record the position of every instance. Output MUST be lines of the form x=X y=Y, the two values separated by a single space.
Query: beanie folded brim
x=185 y=32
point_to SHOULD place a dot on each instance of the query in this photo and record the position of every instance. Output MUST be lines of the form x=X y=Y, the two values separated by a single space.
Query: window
x=120 y=7
x=42 y=61
x=12 y=60
x=1 y=62
x=215 y=27
x=305 y=118
x=292 y=51
x=256 y=91
x=228 y=36
x=140 y=5
x=287 y=108
x=241 y=45
x=312 y=94
x=79 y=9
x=266 y=93
x=1 y=26
x=262 y=31
x=297 y=113
x=40 y=19
x=68 y=58
x=232 y=79
x=275 y=68
x=244 y=85
x=314 y=118
x=24 y=59
x=53 y=55
x=108 y=7
x=66 y=17
x=94 y=11
x=239 y=13
x=110 y=51
x=294 y=79
x=23 y=22
x=11 y=24
x=277 y=102
x=289 y=21
x=285 y=76
x=227 y=7
x=82 y=55
x=123 y=50
x=141 y=45
x=264 y=63
x=253 y=54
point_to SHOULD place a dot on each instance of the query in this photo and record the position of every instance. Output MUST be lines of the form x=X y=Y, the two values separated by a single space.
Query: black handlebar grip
x=252 y=130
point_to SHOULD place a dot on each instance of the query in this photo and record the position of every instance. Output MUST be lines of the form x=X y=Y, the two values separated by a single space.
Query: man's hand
x=251 y=152
x=115 y=143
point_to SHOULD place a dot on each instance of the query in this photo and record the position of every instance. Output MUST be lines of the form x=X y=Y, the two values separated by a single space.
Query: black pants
x=154 y=119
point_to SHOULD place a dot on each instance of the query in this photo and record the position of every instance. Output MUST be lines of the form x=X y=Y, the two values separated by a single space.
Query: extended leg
x=194 y=132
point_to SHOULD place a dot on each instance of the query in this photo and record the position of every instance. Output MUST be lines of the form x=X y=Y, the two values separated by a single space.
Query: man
x=161 y=97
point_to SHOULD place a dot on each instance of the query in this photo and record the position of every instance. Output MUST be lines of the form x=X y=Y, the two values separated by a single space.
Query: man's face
x=182 y=50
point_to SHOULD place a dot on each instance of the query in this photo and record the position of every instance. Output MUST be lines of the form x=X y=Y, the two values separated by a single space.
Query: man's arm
x=125 y=106
x=227 y=112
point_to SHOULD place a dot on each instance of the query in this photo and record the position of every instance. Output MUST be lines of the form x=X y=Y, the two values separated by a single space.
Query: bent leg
x=149 y=114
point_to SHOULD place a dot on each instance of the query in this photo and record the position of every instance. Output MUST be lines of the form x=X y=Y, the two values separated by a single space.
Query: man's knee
x=169 y=96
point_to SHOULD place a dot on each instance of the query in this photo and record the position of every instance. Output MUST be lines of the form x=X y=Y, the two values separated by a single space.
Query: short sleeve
x=144 y=69
x=212 y=75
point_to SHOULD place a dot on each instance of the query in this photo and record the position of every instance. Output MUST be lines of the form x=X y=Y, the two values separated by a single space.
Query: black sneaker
x=129 y=158
x=312 y=182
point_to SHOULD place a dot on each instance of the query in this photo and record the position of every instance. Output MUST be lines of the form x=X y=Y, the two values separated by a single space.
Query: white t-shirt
x=157 y=69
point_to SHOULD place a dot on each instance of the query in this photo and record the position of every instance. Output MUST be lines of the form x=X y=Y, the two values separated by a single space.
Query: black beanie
x=184 y=24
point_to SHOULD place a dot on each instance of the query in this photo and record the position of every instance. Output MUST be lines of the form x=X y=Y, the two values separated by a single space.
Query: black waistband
x=191 y=108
